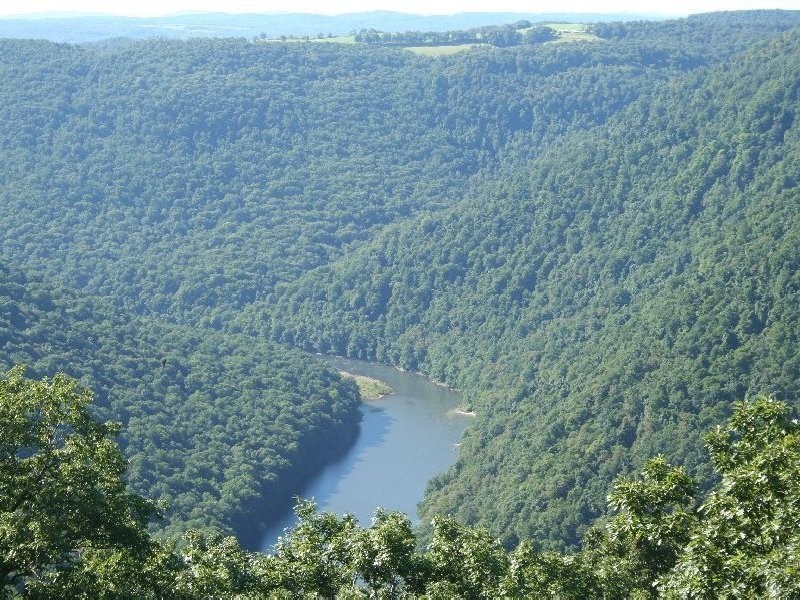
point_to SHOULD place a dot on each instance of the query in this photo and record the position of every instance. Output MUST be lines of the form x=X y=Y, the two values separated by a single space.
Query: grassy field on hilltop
x=572 y=32
x=434 y=51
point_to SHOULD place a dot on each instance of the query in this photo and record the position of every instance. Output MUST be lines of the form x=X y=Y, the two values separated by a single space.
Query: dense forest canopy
x=597 y=241
x=249 y=164
x=220 y=427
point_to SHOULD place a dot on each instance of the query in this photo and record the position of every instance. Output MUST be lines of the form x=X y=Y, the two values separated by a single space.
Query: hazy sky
x=162 y=7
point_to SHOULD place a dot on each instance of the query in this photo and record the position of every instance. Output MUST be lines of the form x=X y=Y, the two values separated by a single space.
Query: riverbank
x=403 y=442
x=369 y=387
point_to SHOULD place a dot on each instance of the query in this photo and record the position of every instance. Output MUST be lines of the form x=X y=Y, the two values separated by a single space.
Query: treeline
x=505 y=36
x=69 y=528
x=717 y=25
x=220 y=427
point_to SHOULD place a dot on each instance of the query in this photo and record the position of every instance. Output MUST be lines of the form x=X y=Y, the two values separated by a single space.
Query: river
x=404 y=440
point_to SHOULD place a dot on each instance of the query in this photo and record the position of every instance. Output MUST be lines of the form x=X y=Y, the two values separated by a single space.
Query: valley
x=596 y=242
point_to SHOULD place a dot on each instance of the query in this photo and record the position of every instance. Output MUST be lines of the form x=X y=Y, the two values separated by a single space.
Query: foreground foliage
x=61 y=480
x=70 y=528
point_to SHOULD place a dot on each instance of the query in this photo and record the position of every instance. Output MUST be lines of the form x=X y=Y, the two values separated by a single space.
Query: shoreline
x=370 y=388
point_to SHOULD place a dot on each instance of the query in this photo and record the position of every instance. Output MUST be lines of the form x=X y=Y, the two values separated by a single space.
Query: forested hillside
x=605 y=303
x=596 y=241
x=191 y=189
x=219 y=426
x=187 y=178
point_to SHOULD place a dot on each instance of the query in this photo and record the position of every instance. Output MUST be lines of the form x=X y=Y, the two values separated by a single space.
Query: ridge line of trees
x=500 y=36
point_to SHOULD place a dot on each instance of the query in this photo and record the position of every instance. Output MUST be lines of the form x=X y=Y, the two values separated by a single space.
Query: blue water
x=405 y=439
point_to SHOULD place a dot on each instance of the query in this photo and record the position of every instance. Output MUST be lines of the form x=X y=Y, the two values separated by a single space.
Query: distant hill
x=92 y=28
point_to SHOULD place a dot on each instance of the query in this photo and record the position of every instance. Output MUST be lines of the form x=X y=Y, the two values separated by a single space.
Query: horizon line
x=81 y=14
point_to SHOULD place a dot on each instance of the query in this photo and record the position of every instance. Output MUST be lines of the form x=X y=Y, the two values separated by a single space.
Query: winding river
x=404 y=440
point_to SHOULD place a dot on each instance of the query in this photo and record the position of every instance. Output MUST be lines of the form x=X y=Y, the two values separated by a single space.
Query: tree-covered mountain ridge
x=605 y=303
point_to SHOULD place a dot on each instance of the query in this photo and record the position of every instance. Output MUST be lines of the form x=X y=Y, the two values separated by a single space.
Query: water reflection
x=330 y=487
x=404 y=440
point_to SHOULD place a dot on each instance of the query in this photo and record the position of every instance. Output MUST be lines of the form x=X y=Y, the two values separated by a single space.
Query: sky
x=142 y=8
